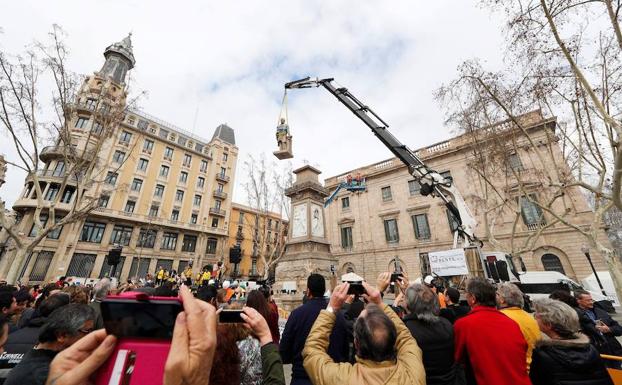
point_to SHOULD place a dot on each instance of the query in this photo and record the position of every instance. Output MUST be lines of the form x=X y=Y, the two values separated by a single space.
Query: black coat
x=436 y=340
x=567 y=362
x=454 y=312
x=605 y=343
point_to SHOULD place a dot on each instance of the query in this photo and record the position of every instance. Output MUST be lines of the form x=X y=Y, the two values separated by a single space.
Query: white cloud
x=230 y=59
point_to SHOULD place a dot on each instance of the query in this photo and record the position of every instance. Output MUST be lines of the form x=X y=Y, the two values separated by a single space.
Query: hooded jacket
x=567 y=362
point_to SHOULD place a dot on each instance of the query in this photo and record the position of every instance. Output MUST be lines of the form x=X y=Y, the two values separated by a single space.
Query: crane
x=432 y=183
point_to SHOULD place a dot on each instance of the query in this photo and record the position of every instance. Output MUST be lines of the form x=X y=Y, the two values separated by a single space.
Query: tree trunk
x=20 y=253
x=615 y=269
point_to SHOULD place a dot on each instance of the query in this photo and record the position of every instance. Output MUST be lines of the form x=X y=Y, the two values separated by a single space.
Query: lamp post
x=586 y=251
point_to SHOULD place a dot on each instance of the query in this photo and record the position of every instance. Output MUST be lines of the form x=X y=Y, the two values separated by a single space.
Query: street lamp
x=586 y=251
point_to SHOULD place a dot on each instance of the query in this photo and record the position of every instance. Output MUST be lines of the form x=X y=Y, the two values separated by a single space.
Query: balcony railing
x=215 y=211
x=222 y=177
x=220 y=194
x=55 y=152
x=535 y=226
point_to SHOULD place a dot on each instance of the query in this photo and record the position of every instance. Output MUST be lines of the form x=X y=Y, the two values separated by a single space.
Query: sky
x=203 y=63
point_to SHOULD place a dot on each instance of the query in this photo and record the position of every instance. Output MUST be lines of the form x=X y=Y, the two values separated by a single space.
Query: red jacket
x=492 y=348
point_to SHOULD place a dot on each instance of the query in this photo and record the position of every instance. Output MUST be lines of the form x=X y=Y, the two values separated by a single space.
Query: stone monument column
x=307 y=248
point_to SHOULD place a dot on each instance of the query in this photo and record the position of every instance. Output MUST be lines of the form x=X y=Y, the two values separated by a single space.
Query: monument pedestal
x=307 y=249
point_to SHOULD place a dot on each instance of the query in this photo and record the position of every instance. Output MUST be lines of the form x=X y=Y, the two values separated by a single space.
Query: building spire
x=119 y=60
x=123 y=48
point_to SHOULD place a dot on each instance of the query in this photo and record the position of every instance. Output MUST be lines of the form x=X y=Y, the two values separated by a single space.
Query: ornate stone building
x=165 y=196
x=392 y=221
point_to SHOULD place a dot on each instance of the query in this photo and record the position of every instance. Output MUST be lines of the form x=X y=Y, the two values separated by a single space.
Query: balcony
x=220 y=194
x=51 y=176
x=55 y=152
x=217 y=212
x=84 y=107
x=535 y=226
x=222 y=178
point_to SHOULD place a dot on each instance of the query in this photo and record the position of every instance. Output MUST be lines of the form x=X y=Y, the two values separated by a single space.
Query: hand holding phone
x=257 y=324
x=230 y=316
x=356 y=288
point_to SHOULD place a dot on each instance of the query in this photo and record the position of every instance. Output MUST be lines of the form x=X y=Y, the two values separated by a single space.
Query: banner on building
x=448 y=262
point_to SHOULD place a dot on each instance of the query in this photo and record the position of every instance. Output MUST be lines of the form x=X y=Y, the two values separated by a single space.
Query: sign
x=448 y=262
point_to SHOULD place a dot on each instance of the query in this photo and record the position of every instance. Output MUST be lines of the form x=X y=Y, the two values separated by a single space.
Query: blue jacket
x=297 y=329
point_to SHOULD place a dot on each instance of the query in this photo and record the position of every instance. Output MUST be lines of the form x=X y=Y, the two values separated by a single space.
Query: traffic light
x=235 y=254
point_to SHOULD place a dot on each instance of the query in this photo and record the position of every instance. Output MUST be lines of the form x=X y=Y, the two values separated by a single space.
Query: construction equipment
x=356 y=184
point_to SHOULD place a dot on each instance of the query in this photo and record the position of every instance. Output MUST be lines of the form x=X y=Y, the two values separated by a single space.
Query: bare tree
x=37 y=125
x=265 y=187
x=565 y=62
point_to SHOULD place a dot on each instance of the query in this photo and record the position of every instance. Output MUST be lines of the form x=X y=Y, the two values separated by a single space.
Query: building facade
x=391 y=221
x=164 y=194
x=257 y=233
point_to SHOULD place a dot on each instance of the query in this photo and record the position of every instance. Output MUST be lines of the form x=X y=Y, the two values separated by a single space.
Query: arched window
x=551 y=262
x=348 y=267
x=396 y=264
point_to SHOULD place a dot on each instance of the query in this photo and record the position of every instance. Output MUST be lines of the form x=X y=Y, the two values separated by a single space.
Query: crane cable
x=283 y=114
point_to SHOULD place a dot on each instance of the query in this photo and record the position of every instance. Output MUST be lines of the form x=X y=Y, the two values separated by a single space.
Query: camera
x=396 y=276
x=356 y=288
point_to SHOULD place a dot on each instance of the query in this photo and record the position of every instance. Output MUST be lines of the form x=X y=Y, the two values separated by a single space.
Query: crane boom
x=432 y=183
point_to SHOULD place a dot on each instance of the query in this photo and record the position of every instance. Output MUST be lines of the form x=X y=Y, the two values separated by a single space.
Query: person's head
x=227 y=358
x=222 y=295
x=8 y=304
x=480 y=292
x=265 y=290
x=509 y=295
x=452 y=296
x=257 y=301
x=565 y=297
x=374 y=335
x=316 y=286
x=584 y=299
x=53 y=302
x=556 y=319
x=208 y=294
x=282 y=120
x=101 y=289
x=77 y=294
x=421 y=301
x=67 y=325
x=22 y=299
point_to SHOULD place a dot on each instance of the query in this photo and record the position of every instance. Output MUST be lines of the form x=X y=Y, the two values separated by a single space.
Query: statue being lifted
x=283 y=138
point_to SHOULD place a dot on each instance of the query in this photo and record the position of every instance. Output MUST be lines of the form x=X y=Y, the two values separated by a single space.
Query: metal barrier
x=616 y=374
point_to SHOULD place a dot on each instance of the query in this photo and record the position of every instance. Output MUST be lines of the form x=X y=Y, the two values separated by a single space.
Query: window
x=551 y=262
x=142 y=164
x=103 y=201
x=179 y=195
x=345 y=203
x=225 y=156
x=59 y=170
x=414 y=187
x=422 y=228
x=390 y=230
x=125 y=137
x=515 y=163
x=92 y=232
x=148 y=146
x=130 y=206
x=146 y=238
x=223 y=172
x=121 y=235
x=187 y=160
x=90 y=104
x=221 y=187
x=346 y=237
x=139 y=267
x=43 y=218
x=200 y=182
x=531 y=212
x=453 y=222
x=212 y=243
x=142 y=124
x=163 y=133
x=168 y=153
x=214 y=222
x=386 y=194
x=217 y=204
x=253 y=267
x=153 y=210
x=81 y=122
x=194 y=218
x=53 y=190
x=111 y=178
x=175 y=215
x=241 y=218
x=197 y=200
x=97 y=128
x=189 y=244
x=137 y=184
x=41 y=266
x=164 y=171
x=159 y=190
x=68 y=194
x=203 y=166
x=169 y=241
x=183 y=177
x=106 y=269
x=81 y=265
x=118 y=157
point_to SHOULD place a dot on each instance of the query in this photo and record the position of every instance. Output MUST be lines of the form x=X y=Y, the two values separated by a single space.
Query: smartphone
x=396 y=276
x=356 y=288
x=144 y=328
x=227 y=316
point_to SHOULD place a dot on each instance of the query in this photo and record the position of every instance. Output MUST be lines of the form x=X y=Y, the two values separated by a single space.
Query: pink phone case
x=150 y=355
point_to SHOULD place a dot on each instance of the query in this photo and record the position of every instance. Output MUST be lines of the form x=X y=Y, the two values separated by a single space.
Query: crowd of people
x=423 y=334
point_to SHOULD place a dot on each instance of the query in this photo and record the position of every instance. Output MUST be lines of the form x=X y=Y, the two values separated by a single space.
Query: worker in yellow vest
x=188 y=275
x=160 y=275
x=205 y=277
